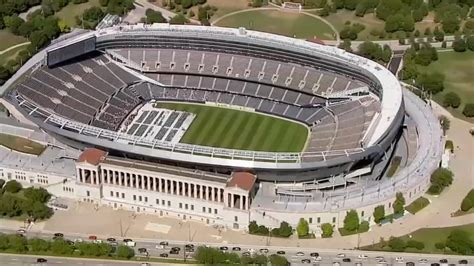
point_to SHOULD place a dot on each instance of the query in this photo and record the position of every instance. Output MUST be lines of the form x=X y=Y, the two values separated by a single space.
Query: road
x=17 y=260
x=295 y=255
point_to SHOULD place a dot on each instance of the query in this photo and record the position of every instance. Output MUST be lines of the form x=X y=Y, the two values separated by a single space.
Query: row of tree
x=458 y=241
x=214 y=256
x=20 y=244
x=285 y=230
x=32 y=203
x=398 y=208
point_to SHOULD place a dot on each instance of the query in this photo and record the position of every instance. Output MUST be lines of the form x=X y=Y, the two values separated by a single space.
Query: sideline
x=14 y=47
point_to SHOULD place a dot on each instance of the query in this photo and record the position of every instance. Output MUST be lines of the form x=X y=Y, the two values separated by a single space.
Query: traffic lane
x=16 y=260
x=289 y=254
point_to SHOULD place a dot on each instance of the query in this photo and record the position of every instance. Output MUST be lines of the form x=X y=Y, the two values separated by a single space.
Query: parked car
x=130 y=243
x=462 y=262
x=305 y=261
x=111 y=239
x=164 y=255
x=92 y=237
x=341 y=255
x=443 y=261
x=127 y=240
x=314 y=254
x=281 y=252
x=299 y=253
x=21 y=231
x=176 y=248
x=236 y=249
x=362 y=256
x=264 y=250
x=346 y=259
x=224 y=248
x=399 y=259
x=142 y=250
x=164 y=243
x=410 y=263
x=246 y=254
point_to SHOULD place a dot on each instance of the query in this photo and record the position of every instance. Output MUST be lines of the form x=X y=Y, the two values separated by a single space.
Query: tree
x=445 y=123
x=214 y=256
x=303 y=227
x=179 y=19
x=451 y=99
x=277 y=260
x=440 y=245
x=4 y=241
x=459 y=241
x=12 y=186
x=260 y=259
x=431 y=82
x=153 y=16
x=125 y=252
x=346 y=45
x=37 y=194
x=459 y=45
x=351 y=221
x=439 y=35
x=396 y=244
x=40 y=211
x=327 y=230
x=440 y=179
x=13 y=23
x=468 y=110
x=379 y=213
x=399 y=204
x=470 y=42
x=285 y=230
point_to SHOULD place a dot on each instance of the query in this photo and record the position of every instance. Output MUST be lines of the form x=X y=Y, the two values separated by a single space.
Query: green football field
x=235 y=129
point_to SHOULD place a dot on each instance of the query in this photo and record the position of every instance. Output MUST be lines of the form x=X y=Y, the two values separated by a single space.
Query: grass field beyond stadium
x=236 y=129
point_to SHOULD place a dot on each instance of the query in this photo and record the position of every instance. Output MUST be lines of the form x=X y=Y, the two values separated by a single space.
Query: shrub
x=397 y=244
x=449 y=145
x=468 y=110
x=440 y=179
x=459 y=241
x=440 y=245
x=417 y=205
x=451 y=99
x=415 y=244
x=466 y=204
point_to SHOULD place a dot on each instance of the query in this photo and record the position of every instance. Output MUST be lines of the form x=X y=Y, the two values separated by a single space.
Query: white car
x=362 y=256
x=21 y=231
x=341 y=255
x=97 y=241
x=251 y=250
x=423 y=261
x=379 y=258
x=78 y=240
x=319 y=258
x=299 y=254
x=399 y=259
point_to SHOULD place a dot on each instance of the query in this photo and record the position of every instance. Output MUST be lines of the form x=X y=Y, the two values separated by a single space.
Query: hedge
x=417 y=205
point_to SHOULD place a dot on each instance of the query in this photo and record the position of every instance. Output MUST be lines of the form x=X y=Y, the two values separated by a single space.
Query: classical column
x=213 y=195
x=241 y=201
x=154 y=183
x=166 y=185
x=200 y=191
x=218 y=195
x=232 y=200
x=194 y=191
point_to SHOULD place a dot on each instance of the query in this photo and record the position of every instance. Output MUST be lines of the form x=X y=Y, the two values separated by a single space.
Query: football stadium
x=263 y=120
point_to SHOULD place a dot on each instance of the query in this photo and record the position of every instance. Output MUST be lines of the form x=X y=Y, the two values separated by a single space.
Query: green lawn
x=8 y=39
x=68 y=13
x=370 y=22
x=458 y=69
x=235 y=129
x=21 y=144
x=429 y=236
x=278 y=22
